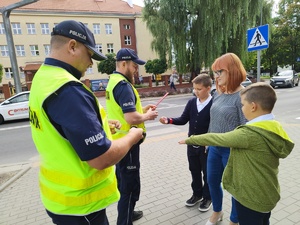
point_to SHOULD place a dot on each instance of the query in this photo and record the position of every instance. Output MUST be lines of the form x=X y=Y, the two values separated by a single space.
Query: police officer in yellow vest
x=71 y=132
x=123 y=104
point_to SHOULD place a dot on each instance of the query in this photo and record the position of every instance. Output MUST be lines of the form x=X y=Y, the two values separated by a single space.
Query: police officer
x=123 y=104
x=71 y=132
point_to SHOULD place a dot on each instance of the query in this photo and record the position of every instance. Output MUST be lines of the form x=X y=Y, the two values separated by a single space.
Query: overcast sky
x=138 y=2
x=141 y=3
x=275 y=6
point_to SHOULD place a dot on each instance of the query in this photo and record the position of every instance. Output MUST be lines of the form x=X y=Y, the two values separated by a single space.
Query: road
x=17 y=145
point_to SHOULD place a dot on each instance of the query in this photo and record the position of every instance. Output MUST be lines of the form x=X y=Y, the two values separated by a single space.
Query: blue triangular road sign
x=258 y=38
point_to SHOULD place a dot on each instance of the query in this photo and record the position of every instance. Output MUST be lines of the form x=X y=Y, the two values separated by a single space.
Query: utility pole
x=5 y=11
x=259 y=51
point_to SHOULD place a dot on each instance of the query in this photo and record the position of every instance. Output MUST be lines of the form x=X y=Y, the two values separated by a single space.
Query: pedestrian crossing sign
x=258 y=38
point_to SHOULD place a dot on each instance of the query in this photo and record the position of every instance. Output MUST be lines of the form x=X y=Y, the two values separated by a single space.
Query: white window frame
x=20 y=50
x=127 y=40
x=126 y=26
x=16 y=28
x=108 y=28
x=96 y=28
x=45 y=28
x=99 y=47
x=31 y=28
x=110 y=48
x=47 y=49
x=4 y=50
x=34 y=49
x=8 y=73
x=22 y=74
x=2 y=29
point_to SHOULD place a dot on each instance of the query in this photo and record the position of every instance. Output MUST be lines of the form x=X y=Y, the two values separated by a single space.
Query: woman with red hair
x=226 y=114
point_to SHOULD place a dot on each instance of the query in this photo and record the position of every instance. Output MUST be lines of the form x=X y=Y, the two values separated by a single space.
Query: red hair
x=235 y=70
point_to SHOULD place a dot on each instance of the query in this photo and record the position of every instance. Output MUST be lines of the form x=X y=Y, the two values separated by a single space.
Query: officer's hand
x=113 y=124
x=150 y=106
x=137 y=134
x=151 y=114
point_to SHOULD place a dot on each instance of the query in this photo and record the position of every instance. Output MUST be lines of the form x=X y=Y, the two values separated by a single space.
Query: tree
x=108 y=65
x=156 y=66
x=194 y=32
x=1 y=73
x=271 y=56
x=288 y=30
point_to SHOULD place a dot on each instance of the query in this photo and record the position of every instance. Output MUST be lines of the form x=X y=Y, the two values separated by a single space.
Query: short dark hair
x=203 y=79
x=261 y=93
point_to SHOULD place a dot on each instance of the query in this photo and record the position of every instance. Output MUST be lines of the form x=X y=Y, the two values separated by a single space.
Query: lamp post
x=5 y=11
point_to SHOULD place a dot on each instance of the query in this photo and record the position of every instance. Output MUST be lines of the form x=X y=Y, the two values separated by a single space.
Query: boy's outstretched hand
x=163 y=120
x=181 y=142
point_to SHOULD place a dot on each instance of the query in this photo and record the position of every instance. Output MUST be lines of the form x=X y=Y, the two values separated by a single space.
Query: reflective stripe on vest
x=99 y=195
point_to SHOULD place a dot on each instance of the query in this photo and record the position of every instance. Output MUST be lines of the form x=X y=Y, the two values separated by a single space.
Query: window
x=16 y=28
x=96 y=27
x=31 y=28
x=20 y=98
x=4 y=50
x=47 y=49
x=20 y=50
x=89 y=70
x=127 y=40
x=22 y=75
x=34 y=49
x=110 y=48
x=126 y=26
x=2 y=30
x=108 y=28
x=99 y=47
x=45 y=28
x=8 y=73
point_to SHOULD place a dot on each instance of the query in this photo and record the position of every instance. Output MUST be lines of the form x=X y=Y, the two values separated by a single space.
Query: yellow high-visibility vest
x=114 y=111
x=68 y=185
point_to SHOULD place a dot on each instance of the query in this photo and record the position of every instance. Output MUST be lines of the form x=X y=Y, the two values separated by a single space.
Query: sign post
x=258 y=39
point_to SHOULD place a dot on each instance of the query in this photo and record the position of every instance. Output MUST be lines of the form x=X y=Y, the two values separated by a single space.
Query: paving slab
x=165 y=188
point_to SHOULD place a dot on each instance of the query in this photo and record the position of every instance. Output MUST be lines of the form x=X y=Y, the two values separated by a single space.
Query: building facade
x=115 y=24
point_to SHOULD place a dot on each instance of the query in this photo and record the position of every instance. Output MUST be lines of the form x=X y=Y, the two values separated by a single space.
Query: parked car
x=15 y=107
x=285 y=78
x=247 y=82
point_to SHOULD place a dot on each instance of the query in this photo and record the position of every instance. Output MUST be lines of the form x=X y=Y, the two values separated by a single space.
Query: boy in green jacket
x=256 y=147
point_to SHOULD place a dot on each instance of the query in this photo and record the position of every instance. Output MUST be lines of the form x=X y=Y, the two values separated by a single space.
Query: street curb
x=14 y=178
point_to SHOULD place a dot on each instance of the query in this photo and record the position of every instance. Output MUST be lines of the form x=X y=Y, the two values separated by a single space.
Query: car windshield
x=284 y=73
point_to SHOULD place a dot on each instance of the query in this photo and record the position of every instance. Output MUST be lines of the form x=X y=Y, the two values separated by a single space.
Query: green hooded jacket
x=252 y=169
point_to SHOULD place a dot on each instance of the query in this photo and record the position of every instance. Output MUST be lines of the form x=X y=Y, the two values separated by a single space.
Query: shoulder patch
x=34 y=119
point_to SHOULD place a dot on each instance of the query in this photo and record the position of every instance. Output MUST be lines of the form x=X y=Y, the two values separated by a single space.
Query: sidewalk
x=165 y=188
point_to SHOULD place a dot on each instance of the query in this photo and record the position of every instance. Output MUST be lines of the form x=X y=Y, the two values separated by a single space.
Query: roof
x=32 y=66
x=82 y=6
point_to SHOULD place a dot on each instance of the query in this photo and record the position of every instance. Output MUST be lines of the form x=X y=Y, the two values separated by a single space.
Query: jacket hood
x=274 y=135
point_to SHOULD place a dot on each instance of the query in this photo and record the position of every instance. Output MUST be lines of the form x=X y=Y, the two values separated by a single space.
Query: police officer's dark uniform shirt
x=124 y=95
x=73 y=112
